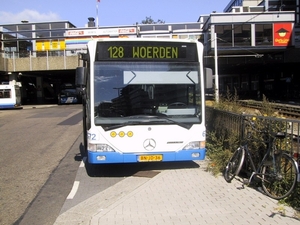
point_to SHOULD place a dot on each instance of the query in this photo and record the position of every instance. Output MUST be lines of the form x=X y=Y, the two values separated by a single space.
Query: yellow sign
x=50 y=45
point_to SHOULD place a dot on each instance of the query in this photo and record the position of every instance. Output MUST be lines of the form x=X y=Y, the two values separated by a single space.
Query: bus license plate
x=150 y=158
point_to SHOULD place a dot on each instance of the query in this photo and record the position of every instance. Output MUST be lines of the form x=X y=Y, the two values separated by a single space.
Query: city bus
x=68 y=94
x=143 y=100
x=10 y=96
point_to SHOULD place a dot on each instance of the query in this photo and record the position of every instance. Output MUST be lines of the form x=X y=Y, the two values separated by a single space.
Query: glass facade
x=224 y=34
x=237 y=35
x=242 y=35
x=263 y=34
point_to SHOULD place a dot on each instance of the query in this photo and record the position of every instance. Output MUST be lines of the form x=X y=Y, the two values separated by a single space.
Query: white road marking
x=82 y=162
x=74 y=190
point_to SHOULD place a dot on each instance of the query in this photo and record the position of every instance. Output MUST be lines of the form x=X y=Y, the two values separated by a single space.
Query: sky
x=110 y=12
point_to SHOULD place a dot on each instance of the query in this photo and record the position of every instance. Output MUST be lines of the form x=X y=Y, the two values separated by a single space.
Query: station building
x=252 y=47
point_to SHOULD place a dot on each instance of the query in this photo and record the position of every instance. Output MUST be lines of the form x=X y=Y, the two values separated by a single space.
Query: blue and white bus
x=10 y=96
x=68 y=94
x=143 y=100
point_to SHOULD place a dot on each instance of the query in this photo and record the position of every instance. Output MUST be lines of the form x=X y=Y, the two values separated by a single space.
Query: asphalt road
x=39 y=161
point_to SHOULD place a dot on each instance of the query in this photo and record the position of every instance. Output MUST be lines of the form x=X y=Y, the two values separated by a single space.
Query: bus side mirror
x=80 y=80
x=80 y=77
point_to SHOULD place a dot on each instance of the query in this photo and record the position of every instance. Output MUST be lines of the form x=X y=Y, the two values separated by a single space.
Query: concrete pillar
x=252 y=34
x=33 y=40
x=39 y=90
x=13 y=77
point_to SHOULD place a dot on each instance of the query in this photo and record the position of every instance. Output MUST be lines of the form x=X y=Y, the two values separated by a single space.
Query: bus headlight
x=195 y=145
x=100 y=148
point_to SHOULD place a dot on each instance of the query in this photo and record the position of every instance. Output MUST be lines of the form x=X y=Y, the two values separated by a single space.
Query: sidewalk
x=38 y=106
x=178 y=196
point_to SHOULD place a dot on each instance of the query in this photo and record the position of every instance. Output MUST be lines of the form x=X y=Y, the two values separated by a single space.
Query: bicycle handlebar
x=266 y=131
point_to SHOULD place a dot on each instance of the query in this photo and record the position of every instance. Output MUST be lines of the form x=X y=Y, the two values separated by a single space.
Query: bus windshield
x=146 y=92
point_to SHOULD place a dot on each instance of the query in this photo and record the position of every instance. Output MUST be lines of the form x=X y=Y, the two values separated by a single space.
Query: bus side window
x=7 y=94
x=1 y=95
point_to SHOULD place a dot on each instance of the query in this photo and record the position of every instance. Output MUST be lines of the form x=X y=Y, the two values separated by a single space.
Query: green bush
x=219 y=151
x=293 y=200
x=229 y=102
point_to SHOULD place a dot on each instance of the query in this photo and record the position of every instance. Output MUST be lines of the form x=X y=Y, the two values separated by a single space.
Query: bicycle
x=277 y=171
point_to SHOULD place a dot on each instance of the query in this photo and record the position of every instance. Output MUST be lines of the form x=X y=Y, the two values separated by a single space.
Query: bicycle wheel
x=280 y=178
x=234 y=165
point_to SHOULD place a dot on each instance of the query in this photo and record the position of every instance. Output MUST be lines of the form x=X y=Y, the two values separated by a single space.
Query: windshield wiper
x=133 y=120
x=163 y=116
x=160 y=116
x=129 y=123
x=146 y=119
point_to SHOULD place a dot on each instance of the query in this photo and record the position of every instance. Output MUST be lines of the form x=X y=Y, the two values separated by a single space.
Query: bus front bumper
x=114 y=157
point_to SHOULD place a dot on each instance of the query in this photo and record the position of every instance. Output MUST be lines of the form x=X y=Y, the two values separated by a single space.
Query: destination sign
x=146 y=51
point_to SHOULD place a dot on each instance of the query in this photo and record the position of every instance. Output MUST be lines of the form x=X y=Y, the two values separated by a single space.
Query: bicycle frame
x=255 y=171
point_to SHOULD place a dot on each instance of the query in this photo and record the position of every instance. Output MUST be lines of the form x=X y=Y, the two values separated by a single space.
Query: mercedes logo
x=149 y=144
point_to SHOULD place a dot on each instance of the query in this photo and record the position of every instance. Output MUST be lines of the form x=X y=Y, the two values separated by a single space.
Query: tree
x=149 y=20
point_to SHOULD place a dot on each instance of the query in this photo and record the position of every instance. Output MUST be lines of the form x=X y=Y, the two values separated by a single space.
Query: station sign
x=282 y=34
x=101 y=32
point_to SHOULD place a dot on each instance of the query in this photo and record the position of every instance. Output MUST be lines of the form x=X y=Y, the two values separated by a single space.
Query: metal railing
x=225 y=123
x=39 y=60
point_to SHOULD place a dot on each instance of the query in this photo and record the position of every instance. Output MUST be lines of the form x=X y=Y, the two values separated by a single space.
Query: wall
x=38 y=63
